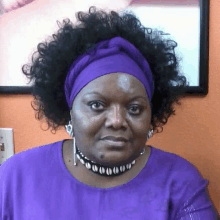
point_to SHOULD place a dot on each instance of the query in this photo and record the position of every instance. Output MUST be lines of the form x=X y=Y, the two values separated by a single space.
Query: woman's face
x=111 y=105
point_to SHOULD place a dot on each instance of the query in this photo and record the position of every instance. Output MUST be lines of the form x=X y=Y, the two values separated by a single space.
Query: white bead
x=133 y=162
x=82 y=161
x=107 y=171
x=100 y=170
x=129 y=166
x=123 y=168
x=117 y=170
x=94 y=168
x=103 y=170
x=110 y=171
x=86 y=158
x=88 y=166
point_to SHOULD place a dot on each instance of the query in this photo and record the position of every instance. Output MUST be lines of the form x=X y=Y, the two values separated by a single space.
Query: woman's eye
x=96 y=106
x=136 y=110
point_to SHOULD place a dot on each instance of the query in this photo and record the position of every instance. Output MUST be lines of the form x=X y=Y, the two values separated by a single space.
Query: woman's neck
x=87 y=177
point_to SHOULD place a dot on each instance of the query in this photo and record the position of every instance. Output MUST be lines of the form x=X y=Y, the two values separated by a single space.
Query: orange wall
x=193 y=133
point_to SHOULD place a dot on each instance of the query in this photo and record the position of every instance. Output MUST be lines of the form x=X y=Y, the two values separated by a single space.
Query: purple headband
x=111 y=56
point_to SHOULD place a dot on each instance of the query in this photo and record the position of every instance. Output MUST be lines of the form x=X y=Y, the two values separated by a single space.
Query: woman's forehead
x=115 y=82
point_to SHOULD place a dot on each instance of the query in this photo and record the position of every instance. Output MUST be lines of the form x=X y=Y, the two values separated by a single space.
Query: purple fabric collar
x=108 y=56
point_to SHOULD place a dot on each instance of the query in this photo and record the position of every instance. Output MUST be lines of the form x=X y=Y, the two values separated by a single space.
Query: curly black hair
x=49 y=69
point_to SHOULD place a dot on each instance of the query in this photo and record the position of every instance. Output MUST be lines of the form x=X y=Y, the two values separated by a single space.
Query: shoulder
x=180 y=176
x=182 y=179
x=183 y=182
x=21 y=172
x=26 y=160
x=175 y=166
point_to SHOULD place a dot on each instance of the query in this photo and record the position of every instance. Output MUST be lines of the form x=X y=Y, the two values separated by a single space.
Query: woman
x=109 y=81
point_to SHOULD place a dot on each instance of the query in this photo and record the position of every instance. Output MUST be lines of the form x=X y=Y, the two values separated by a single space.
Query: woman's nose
x=116 y=117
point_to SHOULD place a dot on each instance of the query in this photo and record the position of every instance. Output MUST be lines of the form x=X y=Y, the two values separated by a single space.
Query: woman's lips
x=115 y=143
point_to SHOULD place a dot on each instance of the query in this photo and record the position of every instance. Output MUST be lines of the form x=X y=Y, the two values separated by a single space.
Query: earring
x=69 y=129
x=74 y=152
x=150 y=134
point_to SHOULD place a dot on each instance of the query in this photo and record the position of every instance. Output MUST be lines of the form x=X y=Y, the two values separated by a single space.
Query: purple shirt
x=36 y=185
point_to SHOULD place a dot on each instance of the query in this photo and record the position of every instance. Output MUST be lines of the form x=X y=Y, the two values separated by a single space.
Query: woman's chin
x=114 y=158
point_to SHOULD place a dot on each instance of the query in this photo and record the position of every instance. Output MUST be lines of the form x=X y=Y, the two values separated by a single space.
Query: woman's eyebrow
x=136 y=97
x=139 y=97
x=93 y=93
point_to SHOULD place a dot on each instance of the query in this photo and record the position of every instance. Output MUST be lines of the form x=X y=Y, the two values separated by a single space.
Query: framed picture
x=187 y=23
x=184 y=21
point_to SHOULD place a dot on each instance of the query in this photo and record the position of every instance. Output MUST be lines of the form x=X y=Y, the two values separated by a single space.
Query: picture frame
x=200 y=89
